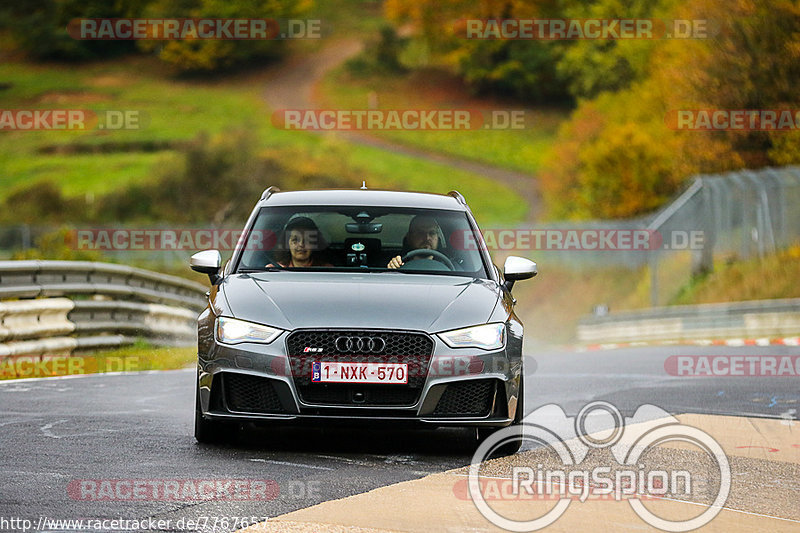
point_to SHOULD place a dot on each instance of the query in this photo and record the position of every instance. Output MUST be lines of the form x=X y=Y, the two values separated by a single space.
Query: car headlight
x=486 y=337
x=233 y=331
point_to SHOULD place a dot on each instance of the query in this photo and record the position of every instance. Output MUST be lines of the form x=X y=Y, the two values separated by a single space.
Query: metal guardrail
x=36 y=279
x=760 y=318
x=112 y=306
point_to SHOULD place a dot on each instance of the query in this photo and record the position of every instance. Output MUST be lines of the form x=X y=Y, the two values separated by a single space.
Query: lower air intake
x=468 y=398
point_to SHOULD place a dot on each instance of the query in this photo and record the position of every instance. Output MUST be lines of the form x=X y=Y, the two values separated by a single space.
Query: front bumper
x=456 y=387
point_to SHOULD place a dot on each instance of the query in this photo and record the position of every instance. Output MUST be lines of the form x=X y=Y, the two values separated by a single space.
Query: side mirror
x=518 y=268
x=207 y=262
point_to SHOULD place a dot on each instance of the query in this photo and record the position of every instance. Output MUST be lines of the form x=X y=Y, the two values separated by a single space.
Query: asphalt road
x=54 y=433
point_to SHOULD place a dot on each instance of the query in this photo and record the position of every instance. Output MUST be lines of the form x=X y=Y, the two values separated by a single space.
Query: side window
x=261 y=242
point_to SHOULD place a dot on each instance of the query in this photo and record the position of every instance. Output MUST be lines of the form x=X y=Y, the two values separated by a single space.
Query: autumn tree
x=201 y=55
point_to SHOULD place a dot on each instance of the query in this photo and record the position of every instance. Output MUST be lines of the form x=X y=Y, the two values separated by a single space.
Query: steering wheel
x=270 y=259
x=437 y=255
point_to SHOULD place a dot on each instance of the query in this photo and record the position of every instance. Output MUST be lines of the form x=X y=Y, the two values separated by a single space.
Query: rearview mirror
x=207 y=262
x=517 y=269
x=363 y=227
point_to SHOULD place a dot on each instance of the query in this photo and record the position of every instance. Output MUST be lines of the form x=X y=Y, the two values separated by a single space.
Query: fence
x=754 y=319
x=66 y=306
x=739 y=214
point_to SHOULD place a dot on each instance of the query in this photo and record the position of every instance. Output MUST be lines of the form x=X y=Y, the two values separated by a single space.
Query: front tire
x=208 y=431
x=514 y=445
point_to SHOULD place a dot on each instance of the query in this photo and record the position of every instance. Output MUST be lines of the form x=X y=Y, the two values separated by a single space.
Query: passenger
x=302 y=242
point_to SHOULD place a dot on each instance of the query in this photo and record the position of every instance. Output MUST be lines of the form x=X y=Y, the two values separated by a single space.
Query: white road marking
x=287 y=463
x=346 y=460
x=15 y=422
x=47 y=427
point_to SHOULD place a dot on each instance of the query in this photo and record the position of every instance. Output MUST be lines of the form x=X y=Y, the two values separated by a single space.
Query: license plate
x=331 y=372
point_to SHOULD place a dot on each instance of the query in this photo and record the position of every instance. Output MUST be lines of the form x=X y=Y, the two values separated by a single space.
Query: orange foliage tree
x=619 y=155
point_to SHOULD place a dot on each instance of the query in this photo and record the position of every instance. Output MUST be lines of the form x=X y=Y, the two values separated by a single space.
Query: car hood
x=292 y=300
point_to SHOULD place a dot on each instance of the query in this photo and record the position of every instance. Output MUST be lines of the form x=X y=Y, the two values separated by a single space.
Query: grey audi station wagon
x=342 y=305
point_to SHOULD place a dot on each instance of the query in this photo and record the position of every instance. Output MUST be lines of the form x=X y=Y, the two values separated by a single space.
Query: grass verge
x=137 y=357
x=774 y=276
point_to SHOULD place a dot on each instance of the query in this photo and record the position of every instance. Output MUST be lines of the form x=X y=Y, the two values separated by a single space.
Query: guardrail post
x=703 y=259
x=654 y=278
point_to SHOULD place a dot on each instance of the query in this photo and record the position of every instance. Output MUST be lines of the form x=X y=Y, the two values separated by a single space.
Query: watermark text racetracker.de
x=733 y=119
x=733 y=365
x=628 y=442
x=607 y=239
x=191 y=490
x=259 y=29
x=34 y=366
x=147 y=239
x=579 y=29
x=401 y=119
x=440 y=366
x=98 y=490
x=72 y=119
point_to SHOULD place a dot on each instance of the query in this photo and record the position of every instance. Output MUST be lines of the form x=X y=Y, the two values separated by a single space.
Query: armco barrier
x=753 y=319
x=34 y=279
x=66 y=306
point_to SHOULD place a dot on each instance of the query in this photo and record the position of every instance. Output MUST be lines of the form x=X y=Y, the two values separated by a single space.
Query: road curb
x=432 y=503
x=736 y=342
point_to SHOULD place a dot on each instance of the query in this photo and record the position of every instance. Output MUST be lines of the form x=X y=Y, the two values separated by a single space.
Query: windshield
x=368 y=239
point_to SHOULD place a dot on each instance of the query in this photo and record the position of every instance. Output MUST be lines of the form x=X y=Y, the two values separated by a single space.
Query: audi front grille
x=367 y=346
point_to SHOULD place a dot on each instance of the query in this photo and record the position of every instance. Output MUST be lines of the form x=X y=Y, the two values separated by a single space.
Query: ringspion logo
x=628 y=440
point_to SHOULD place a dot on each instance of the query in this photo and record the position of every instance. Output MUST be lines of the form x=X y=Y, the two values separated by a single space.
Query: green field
x=516 y=149
x=177 y=110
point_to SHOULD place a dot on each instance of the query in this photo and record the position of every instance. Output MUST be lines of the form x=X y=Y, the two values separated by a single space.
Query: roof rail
x=268 y=192
x=458 y=196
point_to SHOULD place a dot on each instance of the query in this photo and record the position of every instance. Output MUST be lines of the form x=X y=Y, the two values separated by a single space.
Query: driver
x=423 y=232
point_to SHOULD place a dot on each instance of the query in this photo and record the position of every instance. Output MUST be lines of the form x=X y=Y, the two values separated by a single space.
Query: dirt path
x=293 y=86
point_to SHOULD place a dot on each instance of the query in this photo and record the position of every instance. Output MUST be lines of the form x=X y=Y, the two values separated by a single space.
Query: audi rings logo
x=360 y=344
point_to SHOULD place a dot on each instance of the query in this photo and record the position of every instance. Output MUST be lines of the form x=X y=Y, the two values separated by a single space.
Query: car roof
x=362 y=197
